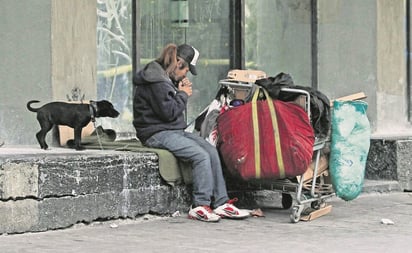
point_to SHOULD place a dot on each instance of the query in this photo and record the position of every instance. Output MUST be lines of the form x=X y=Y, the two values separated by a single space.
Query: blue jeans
x=209 y=187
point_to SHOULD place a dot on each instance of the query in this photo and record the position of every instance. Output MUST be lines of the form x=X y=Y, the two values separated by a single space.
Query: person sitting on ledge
x=161 y=92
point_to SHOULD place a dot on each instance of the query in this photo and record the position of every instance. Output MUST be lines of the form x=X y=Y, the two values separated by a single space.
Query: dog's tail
x=31 y=108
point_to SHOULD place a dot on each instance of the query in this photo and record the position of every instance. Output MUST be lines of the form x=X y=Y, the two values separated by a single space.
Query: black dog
x=75 y=116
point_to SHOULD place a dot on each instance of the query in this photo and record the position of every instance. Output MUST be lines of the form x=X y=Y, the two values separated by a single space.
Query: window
x=114 y=59
x=207 y=29
x=278 y=38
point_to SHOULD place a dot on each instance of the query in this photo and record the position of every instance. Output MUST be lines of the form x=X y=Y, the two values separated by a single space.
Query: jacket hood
x=152 y=73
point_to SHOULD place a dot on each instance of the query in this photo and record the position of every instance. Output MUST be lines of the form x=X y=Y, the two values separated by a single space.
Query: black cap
x=190 y=55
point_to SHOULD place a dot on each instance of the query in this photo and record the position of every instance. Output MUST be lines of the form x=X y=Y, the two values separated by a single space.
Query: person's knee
x=202 y=155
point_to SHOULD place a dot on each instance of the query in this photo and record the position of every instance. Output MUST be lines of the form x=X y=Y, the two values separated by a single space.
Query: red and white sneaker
x=228 y=210
x=203 y=213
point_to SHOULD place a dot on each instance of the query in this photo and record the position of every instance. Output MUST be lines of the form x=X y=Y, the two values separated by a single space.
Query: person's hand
x=186 y=86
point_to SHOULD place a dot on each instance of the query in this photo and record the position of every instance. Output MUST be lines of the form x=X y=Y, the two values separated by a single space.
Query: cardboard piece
x=249 y=76
x=66 y=133
x=301 y=101
x=241 y=81
x=322 y=168
x=317 y=213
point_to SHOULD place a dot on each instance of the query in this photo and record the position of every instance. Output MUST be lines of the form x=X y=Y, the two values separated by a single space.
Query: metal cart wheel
x=287 y=200
x=296 y=212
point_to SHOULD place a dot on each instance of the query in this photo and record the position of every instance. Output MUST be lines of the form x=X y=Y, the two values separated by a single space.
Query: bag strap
x=256 y=135
x=278 y=147
x=276 y=134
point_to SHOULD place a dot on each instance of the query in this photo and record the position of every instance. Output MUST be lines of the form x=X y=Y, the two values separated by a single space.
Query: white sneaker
x=203 y=213
x=228 y=210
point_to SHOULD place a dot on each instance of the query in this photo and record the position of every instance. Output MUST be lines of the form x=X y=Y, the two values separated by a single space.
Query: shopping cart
x=306 y=194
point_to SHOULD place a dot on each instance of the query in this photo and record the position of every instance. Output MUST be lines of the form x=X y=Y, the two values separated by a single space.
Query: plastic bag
x=350 y=141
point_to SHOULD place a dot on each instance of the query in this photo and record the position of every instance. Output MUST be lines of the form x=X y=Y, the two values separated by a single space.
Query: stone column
x=73 y=48
x=391 y=64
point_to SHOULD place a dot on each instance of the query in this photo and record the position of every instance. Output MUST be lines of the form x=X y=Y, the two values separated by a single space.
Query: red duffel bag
x=265 y=139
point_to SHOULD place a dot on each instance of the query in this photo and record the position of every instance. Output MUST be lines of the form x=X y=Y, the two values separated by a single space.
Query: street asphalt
x=373 y=222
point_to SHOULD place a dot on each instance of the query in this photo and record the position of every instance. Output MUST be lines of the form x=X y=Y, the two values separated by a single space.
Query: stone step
x=44 y=190
x=381 y=186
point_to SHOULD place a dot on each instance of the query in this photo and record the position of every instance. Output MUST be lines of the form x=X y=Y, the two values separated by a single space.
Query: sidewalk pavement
x=355 y=226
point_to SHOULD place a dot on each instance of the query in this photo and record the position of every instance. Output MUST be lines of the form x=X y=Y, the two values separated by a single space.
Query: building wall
x=347 y=49
x=25 y=65
x=48 y=47
x=391 y=88
x=362 y=47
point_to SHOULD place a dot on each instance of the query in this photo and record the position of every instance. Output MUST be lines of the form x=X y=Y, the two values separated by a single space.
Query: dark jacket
x=157 y=104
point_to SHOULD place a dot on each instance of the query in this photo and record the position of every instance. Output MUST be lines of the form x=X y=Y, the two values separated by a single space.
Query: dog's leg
x=78 y=138
x=41 y=135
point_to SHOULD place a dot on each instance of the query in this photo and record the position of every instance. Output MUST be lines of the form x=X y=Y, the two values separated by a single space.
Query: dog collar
x=93 y=110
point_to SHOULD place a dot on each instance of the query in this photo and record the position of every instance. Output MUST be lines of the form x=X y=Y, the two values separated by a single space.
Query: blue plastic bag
x=350 y=141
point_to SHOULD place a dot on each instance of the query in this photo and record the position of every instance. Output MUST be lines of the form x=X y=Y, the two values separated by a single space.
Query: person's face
x=181 y=71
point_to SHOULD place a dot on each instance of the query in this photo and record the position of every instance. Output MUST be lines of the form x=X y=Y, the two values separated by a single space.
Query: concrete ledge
x=390 y=159
x=42 y=190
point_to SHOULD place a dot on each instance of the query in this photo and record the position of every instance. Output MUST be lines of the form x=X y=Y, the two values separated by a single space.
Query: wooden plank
x=355 y=96
x=317 y=213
